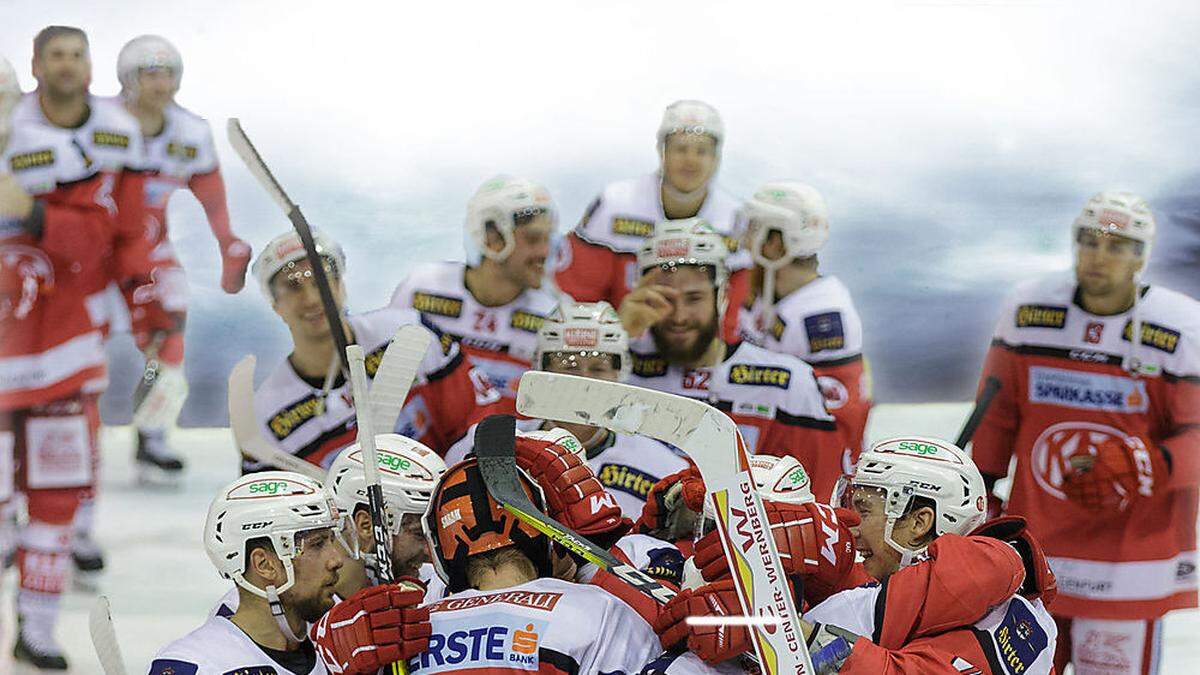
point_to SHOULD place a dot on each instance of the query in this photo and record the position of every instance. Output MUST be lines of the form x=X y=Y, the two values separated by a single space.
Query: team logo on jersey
x=649 y=366
x=752 y=375
x=496 y=640
x=1159 y=337
x=182 y=151
x=1020 y=638
x=665 y=563
x=35 y=273
x=1087 y=391
x=632 y=228
x=626 y=479
x=1093 y=332
x=284 y=422
x=1041 y=316
x=825 y=331
x=110 y=138
x=835 y=393
x=173 y=667
x=31 y=160
x=526 y=321
x=437 y=304
x=1054 y=448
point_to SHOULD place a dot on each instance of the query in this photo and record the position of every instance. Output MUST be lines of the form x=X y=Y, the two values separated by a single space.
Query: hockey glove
x=374 y=627
x=673 y=504
x=573 y=494
x=713 y=644
x=1121 y=471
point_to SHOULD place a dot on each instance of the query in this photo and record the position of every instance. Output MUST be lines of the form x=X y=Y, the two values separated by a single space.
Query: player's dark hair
x=48 y=33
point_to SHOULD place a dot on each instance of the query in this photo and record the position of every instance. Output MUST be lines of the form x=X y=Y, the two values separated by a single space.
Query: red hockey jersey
x=1063 y=390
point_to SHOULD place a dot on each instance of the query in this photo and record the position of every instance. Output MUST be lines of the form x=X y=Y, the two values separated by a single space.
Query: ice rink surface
x=162 y=585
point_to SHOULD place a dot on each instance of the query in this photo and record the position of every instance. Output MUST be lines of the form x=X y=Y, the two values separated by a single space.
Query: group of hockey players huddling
x=901 y=557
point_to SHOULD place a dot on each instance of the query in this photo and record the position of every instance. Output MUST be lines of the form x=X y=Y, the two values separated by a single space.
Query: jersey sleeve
x=939 y=656
x=209 y=189
x=624 y=642
x=1183 y=419
x=586 y=275
x=402 y=296
x=992 y=444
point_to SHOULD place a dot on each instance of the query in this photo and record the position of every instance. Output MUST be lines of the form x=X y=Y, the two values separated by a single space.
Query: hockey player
x=1100 y=406
x=274 y=534
x=949 y=603
x=587 y=339
x=679 y=302
x=507 y=611
x=795 y=310
x=71 y=226
x=179 y=153
x=493 y=304
x=598 y=259
x=305 y=406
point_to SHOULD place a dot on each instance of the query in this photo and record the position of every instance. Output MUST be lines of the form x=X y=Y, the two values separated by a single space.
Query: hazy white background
x=954 y=140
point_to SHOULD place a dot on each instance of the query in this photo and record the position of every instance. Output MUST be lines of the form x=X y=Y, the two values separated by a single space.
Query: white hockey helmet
x=1120 y=213
x=906 y=467
x=287 y=249
x=500 y=202
x=796 y=210
x=272 y=505
x=691 y=117
x=144 y=52
x=781 y=479
x=10 y=94
x=590 y=327
x=691 y=241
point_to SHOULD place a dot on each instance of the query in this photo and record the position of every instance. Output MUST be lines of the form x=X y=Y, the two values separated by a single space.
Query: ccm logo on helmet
x=256 y=526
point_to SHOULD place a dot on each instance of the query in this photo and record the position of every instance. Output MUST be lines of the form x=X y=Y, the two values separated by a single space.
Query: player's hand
x=15 y=202
x=235 y=256
x=1119 y=473
x=573 y=494
x=646 y=305
x=667 y=502
x=374 y=627
x=713 y=644
x=814 y=541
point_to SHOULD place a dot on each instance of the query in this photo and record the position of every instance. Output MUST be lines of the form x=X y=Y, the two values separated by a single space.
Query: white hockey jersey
x=773 y=398
x=500 y=340
x=444 y=401
x=220 y=648
x=628 y=465
x=687 y=663
x=544 y=626
x=109 y=140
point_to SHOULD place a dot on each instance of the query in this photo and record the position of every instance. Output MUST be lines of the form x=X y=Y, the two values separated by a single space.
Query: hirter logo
x=672 y=248
x=1093 y=332
x=581 y=337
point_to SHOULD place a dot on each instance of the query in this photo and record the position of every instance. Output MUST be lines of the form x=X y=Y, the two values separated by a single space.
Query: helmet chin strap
x=908 y=556
x=276 y=606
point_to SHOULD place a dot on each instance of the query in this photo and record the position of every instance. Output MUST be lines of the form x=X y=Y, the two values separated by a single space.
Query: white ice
x=161 y=584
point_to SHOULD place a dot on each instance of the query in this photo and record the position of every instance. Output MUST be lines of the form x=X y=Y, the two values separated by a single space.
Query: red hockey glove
x=235 y=256
x=1039 y=580
x=374 y=627
x=573 y=494
x=682 y=489
x=814 y=541
x=713 y=644
x=1120 y=471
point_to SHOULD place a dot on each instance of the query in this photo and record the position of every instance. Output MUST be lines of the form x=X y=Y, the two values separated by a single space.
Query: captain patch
x=1020 y=638
x=753 y=375
x=437 y=304
x=1153 y=335
x=1041 y=316
x=1087 y=391
x=825 y=331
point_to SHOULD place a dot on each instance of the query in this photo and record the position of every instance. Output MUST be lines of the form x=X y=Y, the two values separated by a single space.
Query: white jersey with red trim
x=628 y=465
x=1063 y=390
x=543 y=626
x=109 y=140
x=447 y=397
x=773 y=398
x=500 y=340
x=687 y=663
x=819 y=323
x=220 y=648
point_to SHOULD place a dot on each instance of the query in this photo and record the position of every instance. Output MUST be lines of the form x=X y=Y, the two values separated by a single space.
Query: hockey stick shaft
x=245 y=428
x=104 y=638
x=991 y=387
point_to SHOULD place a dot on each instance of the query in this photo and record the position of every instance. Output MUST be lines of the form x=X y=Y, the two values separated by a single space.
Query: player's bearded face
x=688 y=331
x=64 y=67
x=409 y=548
x=526 y=265
x=298 y=302
x=689 y=161
x=1105 y=264
x=317 y=565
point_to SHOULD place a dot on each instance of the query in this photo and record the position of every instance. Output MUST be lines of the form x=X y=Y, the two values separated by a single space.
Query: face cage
x=896 y=504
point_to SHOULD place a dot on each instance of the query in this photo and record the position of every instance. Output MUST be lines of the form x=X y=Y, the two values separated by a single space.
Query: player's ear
x=364 y=526
x=266 y=565
x=495 y=241
x=921 y=525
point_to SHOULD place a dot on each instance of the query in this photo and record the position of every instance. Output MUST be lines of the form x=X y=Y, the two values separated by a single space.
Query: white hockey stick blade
x=712 y=440
x=395 y=375
x=254 y=162
x=245 y=427
x=362 y=412
x=104 y=638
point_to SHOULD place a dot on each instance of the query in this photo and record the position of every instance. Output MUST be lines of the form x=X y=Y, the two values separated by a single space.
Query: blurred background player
x=1100 y=405
x=179 y=153
x=673 y=320
x=512 y=607
x=795 y=310
x=493 y=304
x=598 y=259
x=305 y=406
x=72 y=209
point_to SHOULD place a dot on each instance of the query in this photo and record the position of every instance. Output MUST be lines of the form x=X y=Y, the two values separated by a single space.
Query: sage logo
x=257 y=489
x=394 y=462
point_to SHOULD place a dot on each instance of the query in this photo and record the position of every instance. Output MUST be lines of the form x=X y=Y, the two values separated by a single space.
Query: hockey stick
x=714 y=443
x=991 y=386
x=245 y=427
x=254 y=162
x=104 y=638
x=395 y=375
x=495 y=447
